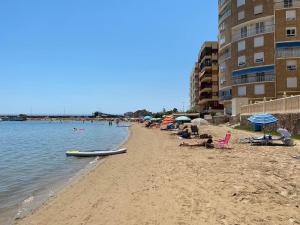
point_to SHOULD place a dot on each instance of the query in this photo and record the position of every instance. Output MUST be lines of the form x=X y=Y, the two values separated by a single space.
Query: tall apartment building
x=259 y=51
x=204 y=90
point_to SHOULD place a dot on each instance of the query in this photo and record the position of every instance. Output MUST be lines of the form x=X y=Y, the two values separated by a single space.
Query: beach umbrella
x=199 y=121
x=262 y=119
x=147 y=117
x=183 y=118
x=167 y=120
x=156 y=119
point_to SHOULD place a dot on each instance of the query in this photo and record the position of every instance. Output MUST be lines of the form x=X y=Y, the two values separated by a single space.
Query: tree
x=175 y=110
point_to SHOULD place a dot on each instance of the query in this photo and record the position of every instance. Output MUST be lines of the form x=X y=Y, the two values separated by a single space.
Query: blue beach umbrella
x=262 y=119
x=183 y=118
x=147 y=117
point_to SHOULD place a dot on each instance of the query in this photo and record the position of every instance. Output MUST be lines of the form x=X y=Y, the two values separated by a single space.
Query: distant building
x=259 y=51
x=204 y=86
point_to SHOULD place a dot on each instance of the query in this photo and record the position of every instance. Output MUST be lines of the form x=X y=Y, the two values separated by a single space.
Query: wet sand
x=158 y=182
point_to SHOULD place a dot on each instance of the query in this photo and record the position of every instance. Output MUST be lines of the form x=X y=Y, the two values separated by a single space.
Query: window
x=241 y=15
x=291 y=82
x=291 y=65
x=288 y=3
x=259 y=57
x=222 y=26
x=241 y=46
x=243 y=32
x=258 y=9
x=260 y=27
x=240 y=3
x=259 y=41
x=260 y=77
x=244 y=79
x=222 y=67
x=222 y=80
x=259 y=89
x=290 y=15
x=291 y=31
x=222 y=40
x=242 y=60
x=242 y=91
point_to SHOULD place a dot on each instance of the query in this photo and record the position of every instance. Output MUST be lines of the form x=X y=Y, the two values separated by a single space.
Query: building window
x=244 y=79
x=241 y=46
x=291 y=82
x=259 y=89
x=288 y=3
x=260 y=27
x=291 y=65
x=259 y=41
x=260 y=77
x=291 y=31
x=242 y=91
x=222 y=40
x=222 y=80
x=241 y=15
x=290 y=15
x=242 y=60
x=222 y=26
x=258 y=9
x=244 y=32
x=222 y=67
x=259 y=57
x=240 y=3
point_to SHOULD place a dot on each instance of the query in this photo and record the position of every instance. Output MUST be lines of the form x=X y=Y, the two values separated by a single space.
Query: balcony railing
x=288 y=52
x=253 y=78
x=284 y=4
x=252 y=31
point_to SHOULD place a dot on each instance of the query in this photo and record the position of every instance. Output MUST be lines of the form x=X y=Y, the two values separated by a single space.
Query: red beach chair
x=223 y=143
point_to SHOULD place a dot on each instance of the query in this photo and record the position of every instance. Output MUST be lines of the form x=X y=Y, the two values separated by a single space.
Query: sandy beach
x=158 y=182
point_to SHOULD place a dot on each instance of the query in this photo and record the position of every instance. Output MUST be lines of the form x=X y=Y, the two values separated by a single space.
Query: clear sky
x=79 y=56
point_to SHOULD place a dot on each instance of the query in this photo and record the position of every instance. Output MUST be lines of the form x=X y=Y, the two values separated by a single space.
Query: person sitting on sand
x=185 y=134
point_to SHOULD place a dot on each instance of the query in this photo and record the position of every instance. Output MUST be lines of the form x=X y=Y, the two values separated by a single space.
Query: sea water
x=33 y=161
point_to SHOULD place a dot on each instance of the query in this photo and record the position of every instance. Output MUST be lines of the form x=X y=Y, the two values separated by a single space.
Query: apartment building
x=259 y=51
x=204 y=90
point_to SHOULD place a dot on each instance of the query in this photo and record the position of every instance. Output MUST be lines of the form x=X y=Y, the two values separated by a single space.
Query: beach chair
x=258 y=140
x=223 y=143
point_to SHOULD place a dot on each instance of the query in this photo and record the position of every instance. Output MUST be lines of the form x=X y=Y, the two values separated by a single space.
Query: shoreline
x=31 y=204
x=157 y=182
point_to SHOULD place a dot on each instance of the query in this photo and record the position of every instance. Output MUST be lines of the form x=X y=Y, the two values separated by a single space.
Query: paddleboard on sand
x=95 y=153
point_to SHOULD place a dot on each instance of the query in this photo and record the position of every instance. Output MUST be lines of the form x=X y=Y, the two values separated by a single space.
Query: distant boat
x=95 y=153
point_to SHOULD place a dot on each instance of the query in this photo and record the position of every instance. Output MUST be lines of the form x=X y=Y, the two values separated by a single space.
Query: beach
x=158 y=182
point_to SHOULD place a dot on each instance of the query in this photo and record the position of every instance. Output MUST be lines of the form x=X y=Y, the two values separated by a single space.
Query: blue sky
x=114 y=56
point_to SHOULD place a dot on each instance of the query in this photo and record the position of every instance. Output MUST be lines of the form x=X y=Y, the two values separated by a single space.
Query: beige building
x=259 y=51
x=204 y=85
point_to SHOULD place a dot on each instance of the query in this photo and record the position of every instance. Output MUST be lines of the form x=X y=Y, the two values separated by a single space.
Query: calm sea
x=33 y=162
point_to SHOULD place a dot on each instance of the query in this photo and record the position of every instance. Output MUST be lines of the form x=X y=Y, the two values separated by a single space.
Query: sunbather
x=207 y=144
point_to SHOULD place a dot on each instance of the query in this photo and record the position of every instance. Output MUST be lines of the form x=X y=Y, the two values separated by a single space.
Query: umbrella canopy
x=156 y=119
x=168 y=120
x=199 y=121
x=147 y=117
x=263 y=119
x=183 y=118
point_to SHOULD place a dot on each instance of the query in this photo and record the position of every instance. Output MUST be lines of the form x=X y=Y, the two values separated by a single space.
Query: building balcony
x=288 y=50
x=206 y=79
x=254 y=78
x=252 y=31
x=281 y=4
x=207 y=89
